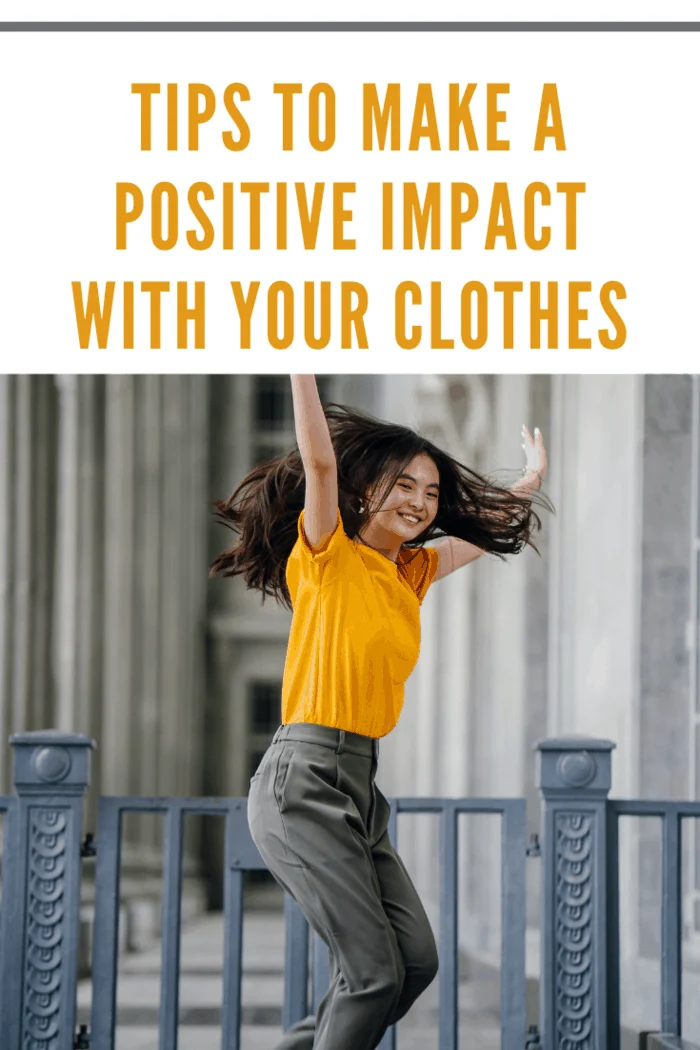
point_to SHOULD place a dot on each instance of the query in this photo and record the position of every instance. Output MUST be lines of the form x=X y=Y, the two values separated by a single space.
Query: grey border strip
x=349 y=27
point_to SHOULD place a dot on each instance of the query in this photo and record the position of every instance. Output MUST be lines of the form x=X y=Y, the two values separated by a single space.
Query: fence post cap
x=577 y=764
x=574 y=742
x=52 y=737
x=51 y=762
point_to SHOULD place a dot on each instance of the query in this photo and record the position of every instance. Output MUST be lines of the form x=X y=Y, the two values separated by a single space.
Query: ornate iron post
x=42 y=887
x=578 y=992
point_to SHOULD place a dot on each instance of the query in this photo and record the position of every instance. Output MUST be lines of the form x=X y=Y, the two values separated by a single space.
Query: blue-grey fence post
x=579 y=896
x=51 y=775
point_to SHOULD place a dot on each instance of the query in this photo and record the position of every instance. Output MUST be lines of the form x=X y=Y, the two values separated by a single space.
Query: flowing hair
x=370 y=455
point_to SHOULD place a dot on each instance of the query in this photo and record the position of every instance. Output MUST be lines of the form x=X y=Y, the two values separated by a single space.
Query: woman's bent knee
x=431 y=966
x=389 y=980
x=423 y=969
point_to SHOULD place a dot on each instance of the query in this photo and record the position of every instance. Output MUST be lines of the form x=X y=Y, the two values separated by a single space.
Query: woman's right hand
x=535 y=452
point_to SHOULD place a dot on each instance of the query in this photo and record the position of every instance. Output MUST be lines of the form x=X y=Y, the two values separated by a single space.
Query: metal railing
x=672 y=815
x=579 y=981
x=661 y=1041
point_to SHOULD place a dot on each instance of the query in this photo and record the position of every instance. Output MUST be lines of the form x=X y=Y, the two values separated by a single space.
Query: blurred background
x=109 y=625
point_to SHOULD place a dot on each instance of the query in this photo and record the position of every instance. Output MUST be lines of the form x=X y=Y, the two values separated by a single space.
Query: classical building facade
x=103 y=534
x=108 y=624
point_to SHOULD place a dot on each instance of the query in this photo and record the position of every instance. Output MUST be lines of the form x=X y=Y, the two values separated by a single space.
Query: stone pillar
x=6 y=561
x=117 y=759
x=149 y=526
x=579 y=993
x=68 y=541
x=173 y=575
x=22 y=550
x=594 y=615
x=231 y=410
x=666 y=756
x=507 y=624
x=497 y=670
x=537 y=632
x=27 y=527
x=90 y=567
x=199 y=513
x=42 y=887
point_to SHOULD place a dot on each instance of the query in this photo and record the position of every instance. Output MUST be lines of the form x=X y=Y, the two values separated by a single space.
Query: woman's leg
x=414 y=936
x=403 y=908
x=405 y=912
x=308 y=812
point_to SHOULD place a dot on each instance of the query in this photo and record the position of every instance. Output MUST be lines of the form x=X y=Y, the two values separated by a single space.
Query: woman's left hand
x=535 y=452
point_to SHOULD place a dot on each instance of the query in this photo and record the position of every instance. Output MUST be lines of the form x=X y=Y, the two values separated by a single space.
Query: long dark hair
x=264 y=509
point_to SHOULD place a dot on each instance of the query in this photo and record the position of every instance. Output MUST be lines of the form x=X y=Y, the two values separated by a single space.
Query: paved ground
x=262 y=993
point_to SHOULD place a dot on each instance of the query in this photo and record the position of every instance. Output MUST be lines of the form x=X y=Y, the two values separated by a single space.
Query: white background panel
x=629 y=105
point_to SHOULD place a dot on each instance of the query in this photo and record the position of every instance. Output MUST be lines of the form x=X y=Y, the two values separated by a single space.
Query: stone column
x=68 y=541
x=196 y=552
x=198 y=466
x=504 y=751
x=666 y=763
x=150 y=526
x=43 y=552
x=6 y=562
x=22 y=551
x=605 y=507
x=155 y=528
x=173 y=575
x=536 y=613
x=498 y=674
x=90 y=568
x=117 y=759
x=596 y=558
x=231 y=408
x=27 y=526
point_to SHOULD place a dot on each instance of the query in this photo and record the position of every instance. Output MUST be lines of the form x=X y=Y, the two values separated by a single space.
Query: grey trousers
x=320 y=824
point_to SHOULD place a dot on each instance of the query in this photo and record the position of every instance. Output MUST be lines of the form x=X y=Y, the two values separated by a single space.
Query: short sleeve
x=309 y=564
x=319 y=555
x=420 y=567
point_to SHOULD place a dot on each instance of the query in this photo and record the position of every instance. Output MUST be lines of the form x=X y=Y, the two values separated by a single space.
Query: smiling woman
x=410 y=507
x=350 y=462
x=337 y=529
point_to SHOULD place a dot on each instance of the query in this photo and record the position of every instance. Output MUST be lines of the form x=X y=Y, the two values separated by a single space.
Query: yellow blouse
x=355 y=633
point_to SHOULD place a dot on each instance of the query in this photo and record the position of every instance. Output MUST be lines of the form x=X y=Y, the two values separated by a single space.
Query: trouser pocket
x=282 y=772
x=305 y=773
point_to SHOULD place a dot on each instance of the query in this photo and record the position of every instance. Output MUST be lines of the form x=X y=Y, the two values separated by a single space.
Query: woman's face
x=412 y=503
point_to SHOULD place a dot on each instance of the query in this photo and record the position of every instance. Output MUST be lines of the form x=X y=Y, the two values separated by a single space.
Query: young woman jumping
x=335 y=531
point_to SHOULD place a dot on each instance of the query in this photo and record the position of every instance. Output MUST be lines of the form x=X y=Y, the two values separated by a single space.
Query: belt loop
x=341 y=741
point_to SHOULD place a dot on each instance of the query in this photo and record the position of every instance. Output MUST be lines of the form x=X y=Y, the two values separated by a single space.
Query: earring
x=362 y=508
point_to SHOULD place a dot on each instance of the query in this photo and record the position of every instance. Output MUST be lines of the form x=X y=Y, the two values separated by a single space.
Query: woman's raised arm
x=318 y=458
